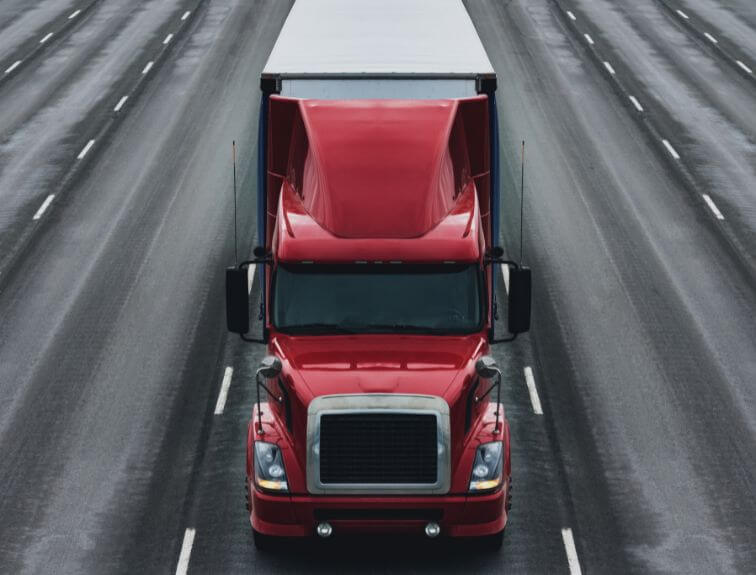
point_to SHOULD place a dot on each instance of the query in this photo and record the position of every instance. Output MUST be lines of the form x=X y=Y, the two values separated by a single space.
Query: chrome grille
x=378 y=448
x=378 y=443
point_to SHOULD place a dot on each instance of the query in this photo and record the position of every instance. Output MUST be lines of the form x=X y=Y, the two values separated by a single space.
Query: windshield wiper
x=403 y=327
x=318 y=328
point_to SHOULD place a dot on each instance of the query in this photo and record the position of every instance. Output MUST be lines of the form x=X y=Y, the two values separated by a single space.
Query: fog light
x=432 y=529
x=324 y=529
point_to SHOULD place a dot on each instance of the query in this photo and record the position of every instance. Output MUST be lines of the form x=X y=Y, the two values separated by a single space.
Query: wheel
x=491 y=543
x=263 y=542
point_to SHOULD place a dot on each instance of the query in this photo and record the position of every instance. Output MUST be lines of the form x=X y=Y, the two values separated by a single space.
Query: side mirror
x=237 y=301
x=270 y=367
x=486 y=367
x=519 y=299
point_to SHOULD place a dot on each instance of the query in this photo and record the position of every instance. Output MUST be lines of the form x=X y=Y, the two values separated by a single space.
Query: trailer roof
x=378 y=38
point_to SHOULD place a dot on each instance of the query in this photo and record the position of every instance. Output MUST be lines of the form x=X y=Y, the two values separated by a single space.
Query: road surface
x=632 y=401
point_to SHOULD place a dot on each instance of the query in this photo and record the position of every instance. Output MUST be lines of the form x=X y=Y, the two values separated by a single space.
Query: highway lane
x=19 y=21
x=735 y=19
x=705 y=108
x=112 y=343
x=644 y=323
x=111 y=324
x=51 y=104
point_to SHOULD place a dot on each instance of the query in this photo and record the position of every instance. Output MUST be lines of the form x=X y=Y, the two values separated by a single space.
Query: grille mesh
x=380 y=448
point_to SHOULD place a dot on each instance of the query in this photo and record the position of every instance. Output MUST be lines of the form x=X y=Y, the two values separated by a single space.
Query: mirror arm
x=489 y=390
x=504 y=339
x=247 y=263
x=489 y=260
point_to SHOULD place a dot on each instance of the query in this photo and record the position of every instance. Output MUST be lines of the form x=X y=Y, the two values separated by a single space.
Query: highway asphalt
x=634 y=446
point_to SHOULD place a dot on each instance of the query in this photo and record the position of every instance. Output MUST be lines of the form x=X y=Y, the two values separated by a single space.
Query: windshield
x=377 y=298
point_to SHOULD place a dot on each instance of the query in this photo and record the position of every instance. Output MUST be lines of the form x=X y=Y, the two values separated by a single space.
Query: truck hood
x=424 y=365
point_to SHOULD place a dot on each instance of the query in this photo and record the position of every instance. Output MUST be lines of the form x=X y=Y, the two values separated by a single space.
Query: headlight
x=486 y=472
x=270 y=474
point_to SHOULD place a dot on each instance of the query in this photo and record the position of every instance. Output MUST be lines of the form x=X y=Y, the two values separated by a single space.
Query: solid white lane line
x=505 y=273
x=636 y=103
x=713 y=207
x=186 y=15
x=571 y=15
x=569 y=548
x=86 y=149
x=671 y=150
x=148 y=67
x=588 y=37
x=168 y=38
x=608 y=66
x=13 y=66
x=186 y=552
x=682 y=14
x=43 y=207
x=46 y=38
x=250 y=277
x=534 y=399
x=74 y=15
x=120 y=104
x=746 y=68
x=221 y=404
x=711 y=38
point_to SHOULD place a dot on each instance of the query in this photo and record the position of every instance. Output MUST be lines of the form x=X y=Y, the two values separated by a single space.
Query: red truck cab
x=381 y=408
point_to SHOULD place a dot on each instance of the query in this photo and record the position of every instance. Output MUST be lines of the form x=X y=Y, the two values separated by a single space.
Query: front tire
x=492 y=543
x=263 y=542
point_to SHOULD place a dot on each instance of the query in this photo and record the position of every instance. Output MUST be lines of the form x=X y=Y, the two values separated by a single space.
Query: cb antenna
x=236 y=249
x=522 y=193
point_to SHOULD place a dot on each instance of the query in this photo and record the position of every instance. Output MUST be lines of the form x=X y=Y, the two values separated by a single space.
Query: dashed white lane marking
x=636 y=103
x=13 y=66
x=46 y=38
x=148 y=67
x=608 y=66
x=44 y=206
x=120 y=104
x=671 y=150
x=711 y=38
x=534 y=399
x=571 y=15
x=569 y=547
x=168 y=38
x=682 y=14
x=589 y=39
x=250 y=277
x=186 y=552
x=186 y=15
x=221 y=403
x=505 y=273
x=74 y=15
x=746 y=68
x=85 y=150
x=712 y=206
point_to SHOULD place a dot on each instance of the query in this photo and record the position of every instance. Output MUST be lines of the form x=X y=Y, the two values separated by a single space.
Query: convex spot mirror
x=519 y=299
x=486 y=367
x=270 y=367
x=237 y=300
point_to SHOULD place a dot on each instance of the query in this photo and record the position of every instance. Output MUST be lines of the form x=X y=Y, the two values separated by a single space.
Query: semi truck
x=378 y=403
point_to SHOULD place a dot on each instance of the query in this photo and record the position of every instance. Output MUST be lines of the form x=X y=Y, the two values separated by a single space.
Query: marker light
x=486 y=472
x=270 y=474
